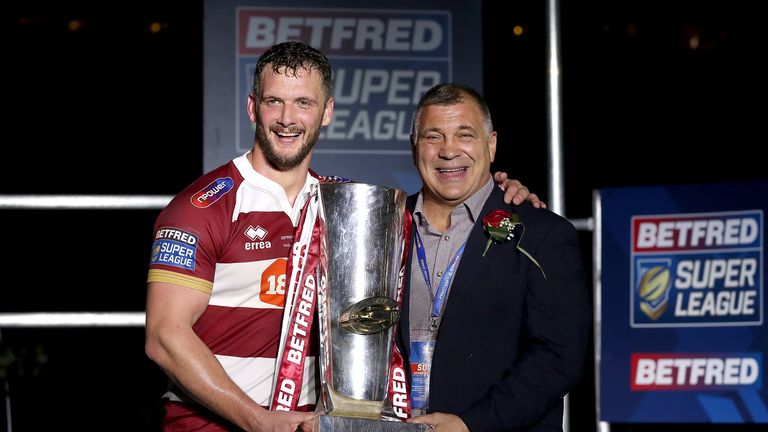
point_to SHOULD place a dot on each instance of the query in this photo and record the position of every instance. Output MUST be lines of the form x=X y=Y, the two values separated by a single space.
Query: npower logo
x=213 y=192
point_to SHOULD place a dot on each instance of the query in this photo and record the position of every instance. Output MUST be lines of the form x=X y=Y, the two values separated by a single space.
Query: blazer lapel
x=472 y=266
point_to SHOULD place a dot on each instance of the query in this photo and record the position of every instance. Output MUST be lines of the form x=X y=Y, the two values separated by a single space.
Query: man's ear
x=251 y=107
x=328 y=112
x=492 y=145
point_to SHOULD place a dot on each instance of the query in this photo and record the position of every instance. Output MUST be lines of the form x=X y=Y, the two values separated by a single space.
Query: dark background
x=654 y=92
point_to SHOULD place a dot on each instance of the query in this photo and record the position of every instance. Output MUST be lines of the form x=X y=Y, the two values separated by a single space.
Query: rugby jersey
x=229 y=235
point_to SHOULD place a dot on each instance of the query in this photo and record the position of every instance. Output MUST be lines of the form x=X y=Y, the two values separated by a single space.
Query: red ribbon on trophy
x=398 y=388
x=300 y=302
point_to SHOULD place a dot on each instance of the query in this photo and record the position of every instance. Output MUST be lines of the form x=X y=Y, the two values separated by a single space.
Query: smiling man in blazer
x=496 y=311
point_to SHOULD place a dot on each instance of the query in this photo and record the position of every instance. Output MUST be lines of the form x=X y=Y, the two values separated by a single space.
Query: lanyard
x=445 y=282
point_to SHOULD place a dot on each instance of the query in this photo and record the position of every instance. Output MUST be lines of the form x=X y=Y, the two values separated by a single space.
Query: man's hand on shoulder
x=515 y=192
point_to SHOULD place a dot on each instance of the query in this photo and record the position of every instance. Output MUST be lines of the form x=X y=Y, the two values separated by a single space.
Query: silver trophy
x=361 y=256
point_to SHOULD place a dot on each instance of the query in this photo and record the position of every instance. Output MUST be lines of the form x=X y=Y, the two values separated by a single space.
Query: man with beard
x=223 y=260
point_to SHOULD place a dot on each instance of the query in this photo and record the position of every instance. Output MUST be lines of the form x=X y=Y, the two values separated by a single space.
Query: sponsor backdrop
x=683 y=334
x=385 y=56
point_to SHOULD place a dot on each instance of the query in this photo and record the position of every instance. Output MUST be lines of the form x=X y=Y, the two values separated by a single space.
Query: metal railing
x=72 y=319
x=79 y=202
x=102 y=202
x=84 y=202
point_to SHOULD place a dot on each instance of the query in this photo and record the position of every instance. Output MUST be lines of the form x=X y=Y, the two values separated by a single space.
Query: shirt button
x=439 y=274
x=446 y=237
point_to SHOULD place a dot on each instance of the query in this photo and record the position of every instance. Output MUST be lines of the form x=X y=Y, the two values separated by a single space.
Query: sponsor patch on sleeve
x=212 y=193
x=174 y=247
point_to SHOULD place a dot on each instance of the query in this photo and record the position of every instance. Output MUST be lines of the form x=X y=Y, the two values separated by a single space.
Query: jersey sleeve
x=189 y=233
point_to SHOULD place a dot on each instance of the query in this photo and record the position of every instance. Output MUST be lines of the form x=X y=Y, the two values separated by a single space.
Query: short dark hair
x=450 y=94
x=293 y=56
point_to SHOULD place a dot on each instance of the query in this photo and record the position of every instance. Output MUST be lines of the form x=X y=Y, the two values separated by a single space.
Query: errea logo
x=256 y=235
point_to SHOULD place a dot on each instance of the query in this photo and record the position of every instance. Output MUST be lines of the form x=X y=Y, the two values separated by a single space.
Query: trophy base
x=331 y=423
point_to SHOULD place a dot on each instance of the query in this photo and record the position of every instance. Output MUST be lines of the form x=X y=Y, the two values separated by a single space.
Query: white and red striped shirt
x=229 y=235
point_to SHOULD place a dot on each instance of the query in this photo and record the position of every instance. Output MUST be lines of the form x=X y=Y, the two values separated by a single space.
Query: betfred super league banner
x=385 y=56
x=683 y=337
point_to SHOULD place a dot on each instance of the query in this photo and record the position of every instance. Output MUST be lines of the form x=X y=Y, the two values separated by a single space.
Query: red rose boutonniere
x=500 y=226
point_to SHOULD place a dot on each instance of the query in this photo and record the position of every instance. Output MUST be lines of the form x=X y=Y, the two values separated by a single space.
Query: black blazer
x=511 y=343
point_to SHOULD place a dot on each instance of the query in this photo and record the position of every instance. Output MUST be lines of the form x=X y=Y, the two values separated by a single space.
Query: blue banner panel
x=385 y=56
x=683 y=335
